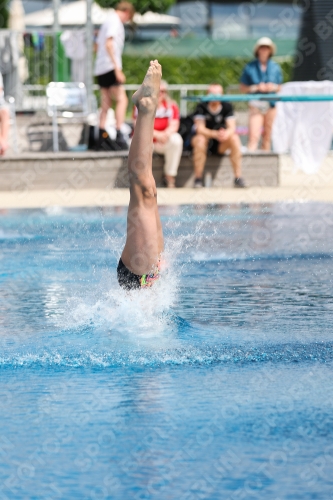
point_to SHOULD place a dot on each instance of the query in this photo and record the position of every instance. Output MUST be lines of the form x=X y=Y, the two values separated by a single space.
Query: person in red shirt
x=167 y=141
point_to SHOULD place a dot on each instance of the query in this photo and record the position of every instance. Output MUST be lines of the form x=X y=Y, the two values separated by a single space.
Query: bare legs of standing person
x=257 y=122
x=4 y=124
x=268 y=125
x=116 y=94
x=144 y=242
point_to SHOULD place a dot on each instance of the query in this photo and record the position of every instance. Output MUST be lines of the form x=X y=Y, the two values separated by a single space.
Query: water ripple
x=189 y=355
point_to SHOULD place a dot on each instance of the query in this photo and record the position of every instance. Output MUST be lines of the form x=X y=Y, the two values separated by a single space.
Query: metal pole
x=56 y=29
x=55 y=131
x=210 y=20
x=89 y=64
x=183 y=101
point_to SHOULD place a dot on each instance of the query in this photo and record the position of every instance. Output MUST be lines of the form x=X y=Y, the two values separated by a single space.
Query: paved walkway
x=120 y=197
x=294 y=186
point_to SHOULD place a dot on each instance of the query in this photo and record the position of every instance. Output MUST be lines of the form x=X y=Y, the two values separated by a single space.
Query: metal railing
x=177 y=92
x=37 y=57
x=34 y=96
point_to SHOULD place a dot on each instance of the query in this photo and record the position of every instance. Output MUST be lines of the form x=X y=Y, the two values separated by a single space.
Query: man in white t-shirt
x=108 y=66
x=4 y=120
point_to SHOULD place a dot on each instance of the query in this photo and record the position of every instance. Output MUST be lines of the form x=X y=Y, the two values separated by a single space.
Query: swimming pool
x=214 y=384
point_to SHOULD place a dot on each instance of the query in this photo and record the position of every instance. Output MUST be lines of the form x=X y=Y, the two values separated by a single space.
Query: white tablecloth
x=304 y=129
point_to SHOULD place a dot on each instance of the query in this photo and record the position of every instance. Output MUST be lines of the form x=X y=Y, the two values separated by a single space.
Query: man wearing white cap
x=261 y=76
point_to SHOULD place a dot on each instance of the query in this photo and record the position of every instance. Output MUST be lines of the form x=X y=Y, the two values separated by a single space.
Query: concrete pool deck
x=293 y=186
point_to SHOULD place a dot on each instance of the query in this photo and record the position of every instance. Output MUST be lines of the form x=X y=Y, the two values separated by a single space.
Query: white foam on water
x=139 y=314
x=131 y=316
x=14 y=235
x=200 y=256
x=186 y=355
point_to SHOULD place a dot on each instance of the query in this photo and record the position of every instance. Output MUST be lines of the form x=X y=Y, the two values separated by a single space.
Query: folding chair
x=66 y=103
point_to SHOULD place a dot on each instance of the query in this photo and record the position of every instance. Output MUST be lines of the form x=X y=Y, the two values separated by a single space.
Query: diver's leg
x=144 y=241
x=160 y=239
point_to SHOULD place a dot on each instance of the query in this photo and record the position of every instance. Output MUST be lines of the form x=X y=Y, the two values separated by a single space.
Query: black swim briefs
x=131 y=281
x=126 y=278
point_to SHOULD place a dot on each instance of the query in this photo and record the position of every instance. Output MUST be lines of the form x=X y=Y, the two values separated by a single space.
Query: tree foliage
x=4 y=14
x=141 y=6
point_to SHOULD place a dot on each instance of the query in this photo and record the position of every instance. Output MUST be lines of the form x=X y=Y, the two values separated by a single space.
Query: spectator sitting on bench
x=4 y=120
x=167 y=141
x=215 y=132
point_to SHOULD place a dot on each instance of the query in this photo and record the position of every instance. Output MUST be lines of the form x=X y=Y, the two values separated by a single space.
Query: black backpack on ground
x=186 y=131
x=98 y=139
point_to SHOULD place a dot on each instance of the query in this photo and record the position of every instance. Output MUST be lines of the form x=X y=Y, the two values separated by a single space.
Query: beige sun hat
x=264 y=41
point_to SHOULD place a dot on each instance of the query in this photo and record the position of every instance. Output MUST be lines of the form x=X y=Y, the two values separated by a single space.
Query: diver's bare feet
x=145 y=98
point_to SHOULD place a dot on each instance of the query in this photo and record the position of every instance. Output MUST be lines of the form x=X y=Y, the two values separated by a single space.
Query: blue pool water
x=214 y=384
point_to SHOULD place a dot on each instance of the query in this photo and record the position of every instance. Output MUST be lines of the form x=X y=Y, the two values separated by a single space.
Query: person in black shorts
x=215 y=132
x=108 y=67
x=108 y=80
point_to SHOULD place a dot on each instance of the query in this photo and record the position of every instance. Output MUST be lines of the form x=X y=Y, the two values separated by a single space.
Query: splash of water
x=139 y=312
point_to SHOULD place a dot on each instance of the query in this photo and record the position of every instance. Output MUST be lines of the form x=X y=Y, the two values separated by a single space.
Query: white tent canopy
x=75 y=14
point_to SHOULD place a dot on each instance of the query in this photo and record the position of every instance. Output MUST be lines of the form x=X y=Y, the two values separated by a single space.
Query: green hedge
x=4 y=14
x=178 y=70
